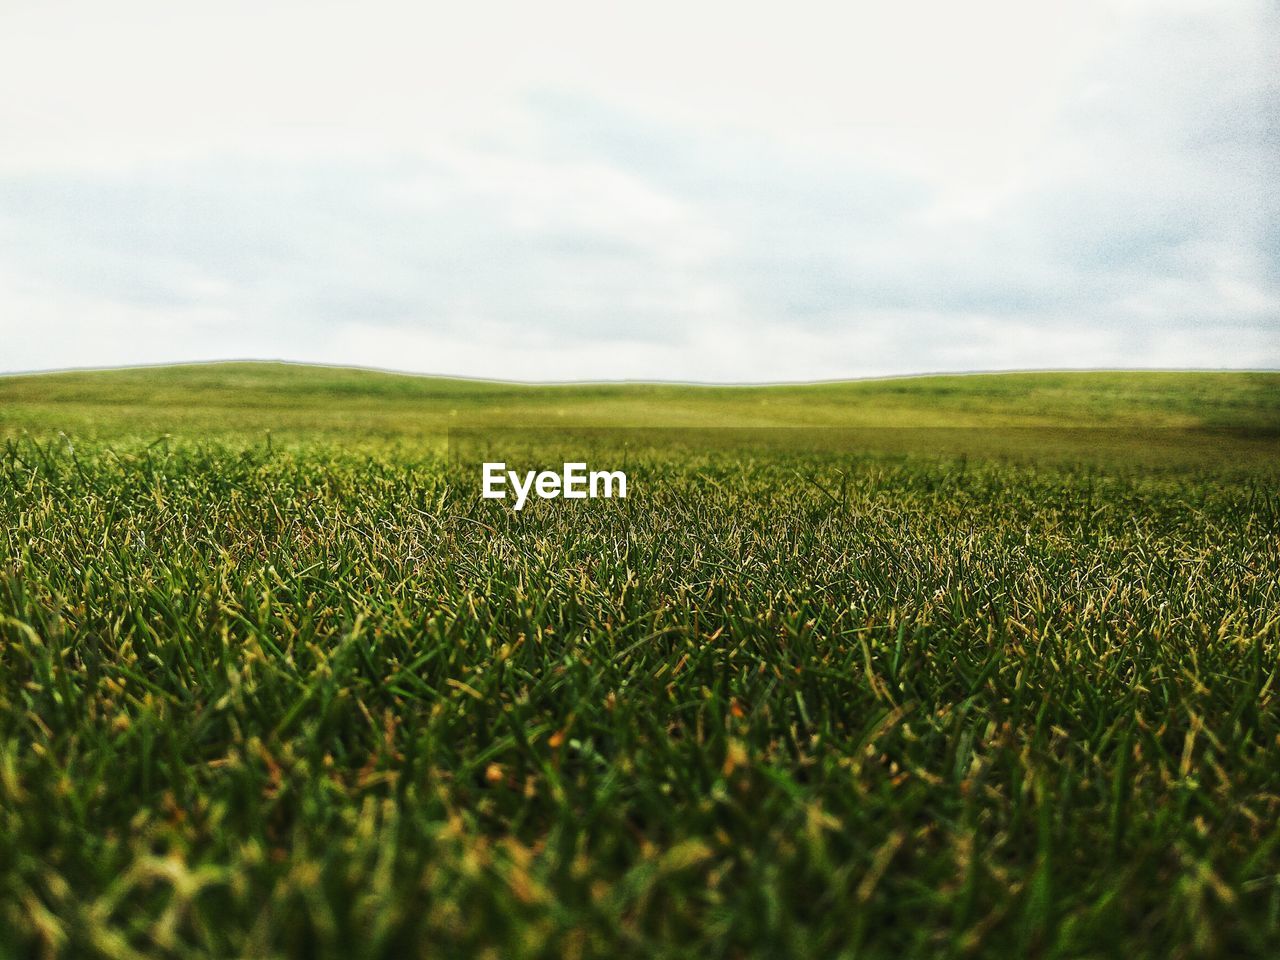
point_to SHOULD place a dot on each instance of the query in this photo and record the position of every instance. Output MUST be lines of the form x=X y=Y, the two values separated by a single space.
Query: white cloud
x=570 y=190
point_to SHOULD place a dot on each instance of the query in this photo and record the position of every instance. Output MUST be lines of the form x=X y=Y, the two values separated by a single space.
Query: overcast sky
x=704 y=191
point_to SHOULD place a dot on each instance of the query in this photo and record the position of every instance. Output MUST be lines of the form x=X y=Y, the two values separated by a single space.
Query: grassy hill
x=229 y=400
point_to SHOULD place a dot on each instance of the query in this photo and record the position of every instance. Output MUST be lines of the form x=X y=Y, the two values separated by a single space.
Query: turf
x=306 y=695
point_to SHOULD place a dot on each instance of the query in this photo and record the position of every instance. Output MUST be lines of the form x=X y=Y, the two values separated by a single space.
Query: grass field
x=274 y=681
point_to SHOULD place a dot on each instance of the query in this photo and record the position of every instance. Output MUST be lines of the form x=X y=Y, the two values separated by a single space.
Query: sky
x=712 y=191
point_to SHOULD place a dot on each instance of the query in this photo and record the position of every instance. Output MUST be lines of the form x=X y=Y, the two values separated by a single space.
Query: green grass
x=312 y=697
x=243 y=400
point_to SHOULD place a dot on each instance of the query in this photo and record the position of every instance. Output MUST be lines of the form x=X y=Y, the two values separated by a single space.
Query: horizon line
x=265 y=361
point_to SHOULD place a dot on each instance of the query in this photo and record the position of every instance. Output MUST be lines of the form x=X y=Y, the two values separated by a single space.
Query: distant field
x=974 y=672
x=239 y=400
